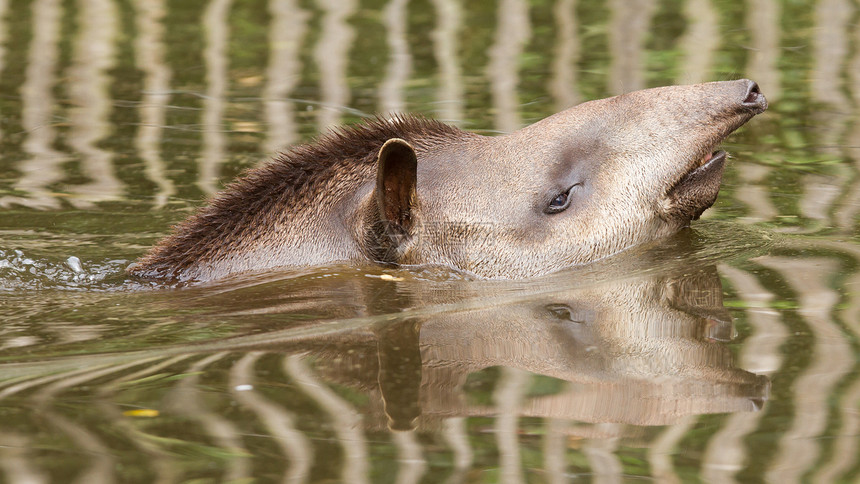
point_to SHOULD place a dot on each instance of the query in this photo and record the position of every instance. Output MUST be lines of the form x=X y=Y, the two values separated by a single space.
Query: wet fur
x=284 y=192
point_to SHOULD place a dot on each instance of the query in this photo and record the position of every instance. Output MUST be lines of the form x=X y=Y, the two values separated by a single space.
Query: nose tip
x=753 y=98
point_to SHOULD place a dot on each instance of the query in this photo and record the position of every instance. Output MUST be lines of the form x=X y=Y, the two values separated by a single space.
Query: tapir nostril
x=754 y=98
x=753 y=94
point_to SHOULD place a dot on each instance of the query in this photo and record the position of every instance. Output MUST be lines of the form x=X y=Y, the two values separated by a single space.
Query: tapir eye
x=560 y=202
x=565 y=313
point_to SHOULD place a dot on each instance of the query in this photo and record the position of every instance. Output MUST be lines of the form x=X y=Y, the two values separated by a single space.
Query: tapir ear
x=396 y=178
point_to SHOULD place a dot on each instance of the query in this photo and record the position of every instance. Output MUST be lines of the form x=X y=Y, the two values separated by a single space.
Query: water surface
x=727 y=353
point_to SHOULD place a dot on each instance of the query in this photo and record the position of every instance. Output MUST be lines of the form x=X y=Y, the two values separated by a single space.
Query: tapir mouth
x=697 y=189
x=711 y=165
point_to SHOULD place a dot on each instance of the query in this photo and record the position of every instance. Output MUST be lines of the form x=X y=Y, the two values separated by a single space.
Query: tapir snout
x=575 y=187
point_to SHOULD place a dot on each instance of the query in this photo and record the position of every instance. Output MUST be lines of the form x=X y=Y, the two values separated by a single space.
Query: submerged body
x=575 y=187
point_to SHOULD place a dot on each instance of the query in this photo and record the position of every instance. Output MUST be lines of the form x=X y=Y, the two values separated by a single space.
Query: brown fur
x=278 y=193
x=628 y=170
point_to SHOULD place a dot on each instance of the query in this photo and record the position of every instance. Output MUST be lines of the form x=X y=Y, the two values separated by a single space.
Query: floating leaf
x=142 y=413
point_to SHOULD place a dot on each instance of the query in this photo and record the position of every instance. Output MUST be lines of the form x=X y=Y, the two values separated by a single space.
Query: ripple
x=20 y=271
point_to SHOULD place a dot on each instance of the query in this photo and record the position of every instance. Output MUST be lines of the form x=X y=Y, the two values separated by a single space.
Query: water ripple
x=19 y=271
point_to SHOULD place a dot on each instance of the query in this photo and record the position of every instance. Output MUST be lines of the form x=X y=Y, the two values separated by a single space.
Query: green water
x=727 y=353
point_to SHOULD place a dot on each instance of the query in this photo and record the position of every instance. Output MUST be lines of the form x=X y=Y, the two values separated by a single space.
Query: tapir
x=575 y=187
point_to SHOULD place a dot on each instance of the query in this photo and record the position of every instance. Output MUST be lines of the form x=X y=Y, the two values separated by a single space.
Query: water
x=728 y=353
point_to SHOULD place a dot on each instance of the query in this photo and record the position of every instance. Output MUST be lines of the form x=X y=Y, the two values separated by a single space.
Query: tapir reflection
x=645 y=350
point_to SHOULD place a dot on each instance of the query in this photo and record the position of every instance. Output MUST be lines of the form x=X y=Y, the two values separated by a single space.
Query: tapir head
x=575 y=187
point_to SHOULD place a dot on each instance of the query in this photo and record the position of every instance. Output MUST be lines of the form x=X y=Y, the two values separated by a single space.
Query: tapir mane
x=269 y=200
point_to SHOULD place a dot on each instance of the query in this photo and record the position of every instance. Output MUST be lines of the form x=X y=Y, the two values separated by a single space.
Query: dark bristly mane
x=270 y=195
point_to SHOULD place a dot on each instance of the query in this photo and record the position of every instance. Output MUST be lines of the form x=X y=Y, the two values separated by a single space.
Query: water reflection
x=650 y=343
x=278 y=421
x=630 y=22
x=700 y=42
x=563 y=83
x=445 y=42
x=346 y=419
x=187 y=399
x=330 y=55
x=149 y=49
x=724 y=456
x=762 y=19
x=399 y=59
x=282 y=74
x=512 y=32
x=638 y=351
x=215 y=56
x=93 y=57
x=591 y=358
x=833 y=359
x=4 y=7
x=42 y=167
x=302 y=377
x=310 y=64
